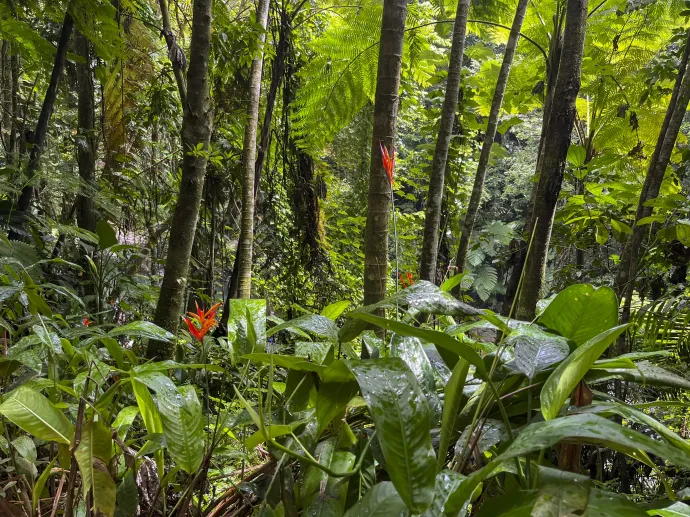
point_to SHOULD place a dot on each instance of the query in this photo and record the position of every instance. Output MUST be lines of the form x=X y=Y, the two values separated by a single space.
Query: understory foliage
x=299 y=400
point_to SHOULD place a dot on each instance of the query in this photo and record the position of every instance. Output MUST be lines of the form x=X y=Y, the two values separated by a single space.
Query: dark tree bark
x=6 y=88
x=385 y=121
x=39 y=137
x=246 y=242
x=86 y=142
x=496 y=104
x=175 y=54
x=438 y=165
x=196 y=130
x=556 y=143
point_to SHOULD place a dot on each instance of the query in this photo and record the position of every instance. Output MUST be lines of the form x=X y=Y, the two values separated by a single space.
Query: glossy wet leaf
x=535 y=350
x=564 y=378
x=645 y=373
x=247 y=327
x=612 y=505
x=441 y=340
x=487 y=433
x=313 y=351
x=561 y=494
x=320 y=326
x=183 y=426
x=401 y=414
x=581 y=312
x=447 y=482
x=325 y=495
x=334 y=310
x=382 y=500
x=35 y=414
x=410 y=350
x=669 y=509
x=142 y=329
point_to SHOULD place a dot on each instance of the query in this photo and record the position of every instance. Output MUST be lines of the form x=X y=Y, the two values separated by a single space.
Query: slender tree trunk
x=385 y=119
x=627 y=272
x=496 y=104
x=246 y=243
x=438 y=165
x=6 y=98
x=14 y=128
x=86 y=143
x=39 y=138
x=196 y=132
x=175 y=54
x=556 y=143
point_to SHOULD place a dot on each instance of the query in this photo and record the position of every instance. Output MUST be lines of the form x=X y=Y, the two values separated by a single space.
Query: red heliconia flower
x=409 y=279
x=205 y=319
x=86 y=322
x=409 y=282
x=388 y=161
x=402 y=280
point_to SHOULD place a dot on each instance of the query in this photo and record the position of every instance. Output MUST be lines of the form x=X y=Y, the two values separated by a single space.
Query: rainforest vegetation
x=313 y=258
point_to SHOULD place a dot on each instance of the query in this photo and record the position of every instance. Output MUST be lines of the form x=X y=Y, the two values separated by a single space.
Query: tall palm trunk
x=196 y=132
x=625 y=279
x=39 y=137
x=86 y=142
x=385 y=115
x=496 y=104
x=438 y=165
x=556 y=142
x=245 y=245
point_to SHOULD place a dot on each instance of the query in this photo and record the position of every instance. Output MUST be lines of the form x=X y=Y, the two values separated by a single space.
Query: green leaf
x=142 y=329
x=106 y=234
x=669 y=509
x=183 y=427
x=324 y=496
x=576 y=155
x=286 y=361
x=127 y=496
x=35 y=414
x=26 y=447
x=453 y=396
x=246 y=327
x=382 y=500
x=320 y=326
x=336 y=390
x=313 y=351
x=401 y=415
x=535 y=350
x=645 y=373
x=581 y=312
x=40 y=485
x=439 y=339
x=561 y=493
x=93 y=456
x=334 y=310
x=447 y=482
x=565 y=377
x=612 y=505
x=124 y=419
x=450 y=282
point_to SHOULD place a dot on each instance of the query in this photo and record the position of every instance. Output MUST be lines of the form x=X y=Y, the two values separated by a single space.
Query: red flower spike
x=409 y=278
x=388 y=161
x=86 y=322
x=204 y=318
x=402 y=280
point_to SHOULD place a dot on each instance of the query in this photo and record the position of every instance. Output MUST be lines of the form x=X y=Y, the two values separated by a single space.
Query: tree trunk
x=6 y=98
x=246 y=242
x=385 y=115
x=496 y=104
x=196 y=133
x=556 y=143
x=13 y=141
x=175 y=54
x=438 y=165
x=627 y=269
x=39 y=137
x=86 y=143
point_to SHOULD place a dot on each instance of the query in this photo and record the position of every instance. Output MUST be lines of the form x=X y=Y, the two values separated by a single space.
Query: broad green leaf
x=127 y=496
x=612 y=505
x=124 y=420
x=565 y=377
x=334 y=310
x=183 y=427
x=447 y=482
x=336 y=390
x=513 y=504
x=26 y=447
x=106 y=234
x=439 y=339
x=147 y=408
x=535 y=350
x=410 y=350
x=246 y=327
x=320 y=326
x=324 y=496
x=453 y=396
x=142 y=329
x=35 y=414
x=645 y=373
x=488 y=432
x=401 y=415
x=561 y=493
x=93 y=456
x=269 y=432
x=581 y=312
x=669 y=509
x=286 y=361
x=313 y=351
x=164 y=366
x=576 y=155
x=382 y=500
